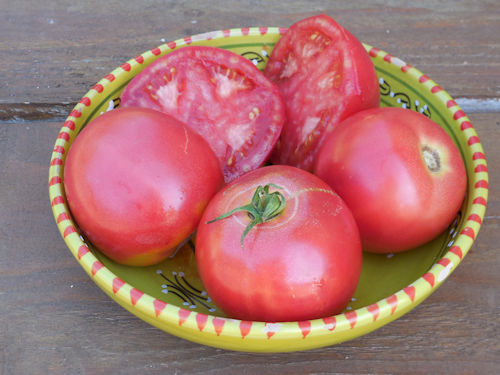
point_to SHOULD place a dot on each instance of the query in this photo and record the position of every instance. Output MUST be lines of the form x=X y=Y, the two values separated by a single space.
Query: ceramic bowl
x=170 y=295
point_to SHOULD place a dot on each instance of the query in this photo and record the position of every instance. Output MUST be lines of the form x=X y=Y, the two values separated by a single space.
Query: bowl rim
x=241 y=335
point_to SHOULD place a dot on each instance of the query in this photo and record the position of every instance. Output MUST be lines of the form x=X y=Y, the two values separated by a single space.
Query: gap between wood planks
x=29 y=112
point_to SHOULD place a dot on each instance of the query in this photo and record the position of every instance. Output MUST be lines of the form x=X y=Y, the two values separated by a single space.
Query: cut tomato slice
x=220 y=95
x=325 y=75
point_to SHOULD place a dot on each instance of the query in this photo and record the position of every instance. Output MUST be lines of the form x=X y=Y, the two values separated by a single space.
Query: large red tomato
x=325 y=75
x=400 y=174
x=220 y=95
x=293 y=253
x=137 y=182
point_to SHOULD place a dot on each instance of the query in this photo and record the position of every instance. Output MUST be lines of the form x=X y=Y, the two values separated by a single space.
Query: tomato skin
x=137 y=181
x=325 y=75
x=219 y=94
x=303 y=264
x=375 y=161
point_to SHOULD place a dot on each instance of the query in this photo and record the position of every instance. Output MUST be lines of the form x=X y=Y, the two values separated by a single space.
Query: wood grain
x=53 y=53
x=55 y=320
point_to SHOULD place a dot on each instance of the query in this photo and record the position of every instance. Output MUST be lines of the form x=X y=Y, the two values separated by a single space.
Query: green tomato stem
x=264 y=206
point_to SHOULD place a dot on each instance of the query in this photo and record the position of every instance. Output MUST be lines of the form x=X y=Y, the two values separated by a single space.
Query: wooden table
x=55 y=320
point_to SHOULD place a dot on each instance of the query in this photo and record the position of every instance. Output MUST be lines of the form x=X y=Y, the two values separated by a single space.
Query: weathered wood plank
x=54 y=319
x=54 y=53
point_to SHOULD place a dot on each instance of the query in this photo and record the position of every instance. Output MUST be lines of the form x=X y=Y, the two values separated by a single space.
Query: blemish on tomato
x=432 y=159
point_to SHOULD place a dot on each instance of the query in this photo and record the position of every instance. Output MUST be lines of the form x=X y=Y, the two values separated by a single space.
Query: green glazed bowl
x=170 y=295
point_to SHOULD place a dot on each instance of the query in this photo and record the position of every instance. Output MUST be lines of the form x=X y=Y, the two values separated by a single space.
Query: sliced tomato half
x=325 y=75
x=219 y=94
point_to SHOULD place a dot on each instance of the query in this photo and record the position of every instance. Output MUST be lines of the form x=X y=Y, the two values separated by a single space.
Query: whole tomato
x=283 y=247
x=137 y=182
x=400 y=174
x=325 y=75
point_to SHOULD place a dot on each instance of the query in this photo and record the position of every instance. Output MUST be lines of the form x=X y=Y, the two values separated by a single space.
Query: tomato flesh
x=399 y=172
x=303 y=264
x=325 y=75
x=137 y=182
x=220 y=95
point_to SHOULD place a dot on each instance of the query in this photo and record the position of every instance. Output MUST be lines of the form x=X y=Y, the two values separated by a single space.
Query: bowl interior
x=176 y=282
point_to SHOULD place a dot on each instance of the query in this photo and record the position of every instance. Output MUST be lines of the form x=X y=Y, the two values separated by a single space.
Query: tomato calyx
x=264 y=207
